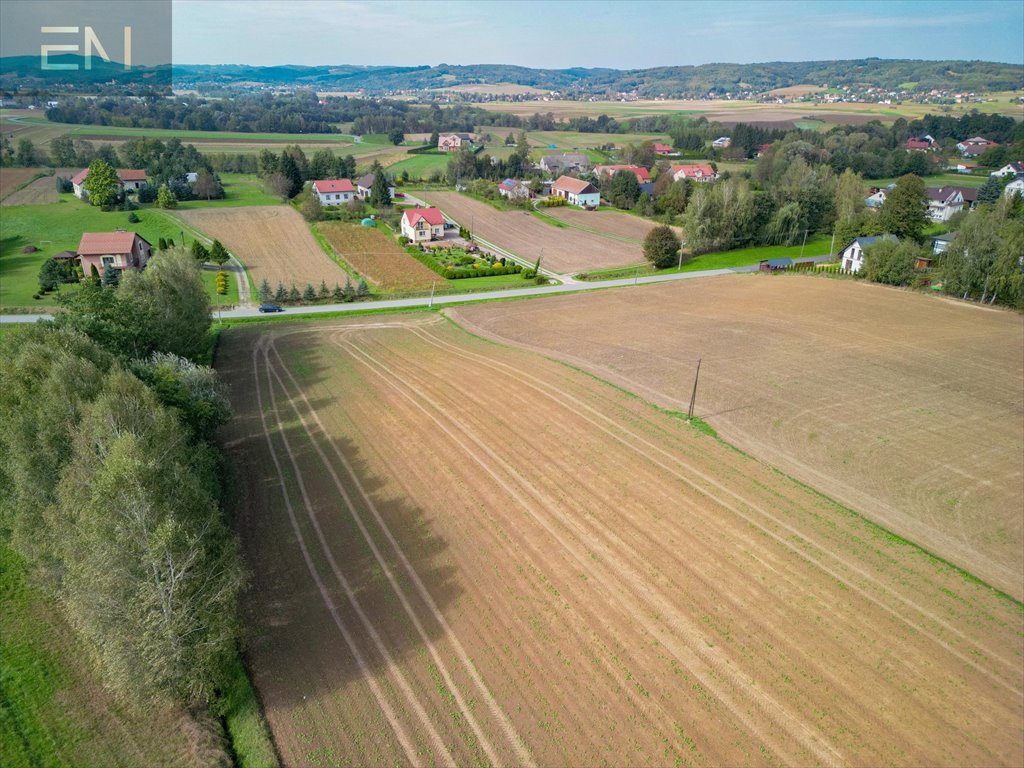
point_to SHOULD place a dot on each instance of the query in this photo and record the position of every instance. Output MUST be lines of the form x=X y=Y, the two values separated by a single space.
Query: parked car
x=271 y=308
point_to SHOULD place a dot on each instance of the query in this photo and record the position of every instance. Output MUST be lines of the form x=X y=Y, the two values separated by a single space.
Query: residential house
x=1015 y=187
x=876 y=198
x=364 y=186
x=940 y=244
x=665 y=150
x=514 y=189
x=576 y=192
x=642 y=174
x=975 y=146
x=565 y=163
x=852 y=256
x=120 y=250
x=722 y=142
x=962 y=167
x=423 y=224
x=129 y=180
x=969 y=194
x=334 y=191
x=453 y=142
x=943 y=202
x=700 y=172
x=919 y=143
x=1016 y=168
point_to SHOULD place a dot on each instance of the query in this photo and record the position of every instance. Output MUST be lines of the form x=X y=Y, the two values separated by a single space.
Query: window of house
x=108 y=261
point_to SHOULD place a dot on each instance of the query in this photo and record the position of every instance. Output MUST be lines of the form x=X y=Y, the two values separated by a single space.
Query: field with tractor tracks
x=618 y=226
x=564 y=250
x=465 y=553
x=906 y=408
x=272 y=241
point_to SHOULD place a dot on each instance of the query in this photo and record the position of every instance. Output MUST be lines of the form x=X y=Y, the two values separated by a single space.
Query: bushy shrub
x=133 y=218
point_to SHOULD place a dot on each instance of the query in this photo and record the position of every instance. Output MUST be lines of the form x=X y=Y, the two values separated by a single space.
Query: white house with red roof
x=642 y=174
x=919 y=144
x=576 y=192
x=1016 y=168
x=127 y=180
x=423 y=224
x=121 y=250
x=698 y=172
x=334 y=191
x=665 y=150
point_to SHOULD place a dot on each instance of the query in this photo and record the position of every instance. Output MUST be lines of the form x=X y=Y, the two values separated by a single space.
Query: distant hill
x=667 y=81
x=24 y=72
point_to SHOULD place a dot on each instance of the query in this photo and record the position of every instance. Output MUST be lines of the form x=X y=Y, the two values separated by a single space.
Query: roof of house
x=663 y=148
x=65 y=255
x=977 y=140
x=131 y=175
x=104 y=243
x=918 y=144
x=700 y=169
x=1016 y=166
x=463 y=136
x=566 y=159
x=642 y=174
x=864 y=242
x=576 y=186
x=970 y=194
x=510 y=184
x=782 y=261
x=432 y=216
x=323 y=186
x=79 y=177
x=942 y=194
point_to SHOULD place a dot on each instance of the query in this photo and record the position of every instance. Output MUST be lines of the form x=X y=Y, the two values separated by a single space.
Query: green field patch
x=420 y=166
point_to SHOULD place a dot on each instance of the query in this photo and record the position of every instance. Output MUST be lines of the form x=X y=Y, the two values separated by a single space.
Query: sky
x=622 y=34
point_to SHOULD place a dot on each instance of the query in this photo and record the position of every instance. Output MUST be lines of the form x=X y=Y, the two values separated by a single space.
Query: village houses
x=127 y=181
x=422 y=224
x=334 y=191
x=453 y=142
x=698 y=172
x=118 y=250
x=576 y=192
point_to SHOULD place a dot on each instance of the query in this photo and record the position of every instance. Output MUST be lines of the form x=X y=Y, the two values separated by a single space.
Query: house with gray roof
x=565 y=163
x=852 y=256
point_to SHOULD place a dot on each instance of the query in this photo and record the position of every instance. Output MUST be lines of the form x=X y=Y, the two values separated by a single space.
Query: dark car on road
x=271 y=308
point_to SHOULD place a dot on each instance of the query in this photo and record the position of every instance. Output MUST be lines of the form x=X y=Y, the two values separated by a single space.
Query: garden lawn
x=421 y=166
x=59 y=227
x=239 y=189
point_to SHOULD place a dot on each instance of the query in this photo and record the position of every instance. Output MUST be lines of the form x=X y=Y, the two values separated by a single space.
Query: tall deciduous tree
x=904 y=212
x=661 y=247
x=102 y=184
x=62 y=151
x=165 y=198
x=891 y=262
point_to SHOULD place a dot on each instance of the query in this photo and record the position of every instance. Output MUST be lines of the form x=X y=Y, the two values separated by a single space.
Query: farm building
x=127 y=180
x=565 y=162
x=722 y=142
x=852 y=256
x=514 y=189
x=120 y=250
x=576 y=192
x=641 y=173
x=975 y=146
x=334 y=191
x=453 y=142
x=364 y=185
x=665 y=150
x=698 y=172
x=422 y=224
x=920 y=143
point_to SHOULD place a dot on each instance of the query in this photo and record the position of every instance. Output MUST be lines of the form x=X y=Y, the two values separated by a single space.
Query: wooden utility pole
x=693 y=396
x=803 y=244
x=433 y=285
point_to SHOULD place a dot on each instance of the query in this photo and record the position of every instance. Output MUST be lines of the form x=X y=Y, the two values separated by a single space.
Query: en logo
x=92 y=42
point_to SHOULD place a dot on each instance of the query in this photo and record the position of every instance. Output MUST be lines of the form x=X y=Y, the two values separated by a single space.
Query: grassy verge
x=244 y=723
x=741 y=257
x=239 y=189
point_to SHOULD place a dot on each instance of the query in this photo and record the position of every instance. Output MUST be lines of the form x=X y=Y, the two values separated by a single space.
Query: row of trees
x=108 y=484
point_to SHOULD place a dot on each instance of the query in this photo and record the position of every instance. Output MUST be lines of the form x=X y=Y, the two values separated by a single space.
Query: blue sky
x=591 y=33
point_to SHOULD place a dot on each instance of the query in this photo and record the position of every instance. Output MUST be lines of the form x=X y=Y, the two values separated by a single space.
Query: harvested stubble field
x=466 y=553
x=612 y=224
x=906 y=408
x=272 y=241
x=372 y=253
x=521 y=233
x=12 y=178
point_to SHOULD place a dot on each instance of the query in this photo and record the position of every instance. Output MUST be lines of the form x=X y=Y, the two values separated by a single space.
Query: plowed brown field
x=607 y=223
x=42 y=191
x=466 y=553
x=372 y=253
x=12 y=178
x=907 y=408
x=564 y=250
x=274 y=242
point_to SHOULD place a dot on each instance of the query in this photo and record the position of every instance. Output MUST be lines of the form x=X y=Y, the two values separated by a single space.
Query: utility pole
x=432 y=287
x=693 y=396
x=680 y=267
x=832 y=246
x=636 y=275
x=803 y=244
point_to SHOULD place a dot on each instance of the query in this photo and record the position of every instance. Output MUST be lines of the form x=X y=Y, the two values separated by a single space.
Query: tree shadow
x=291 y=636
